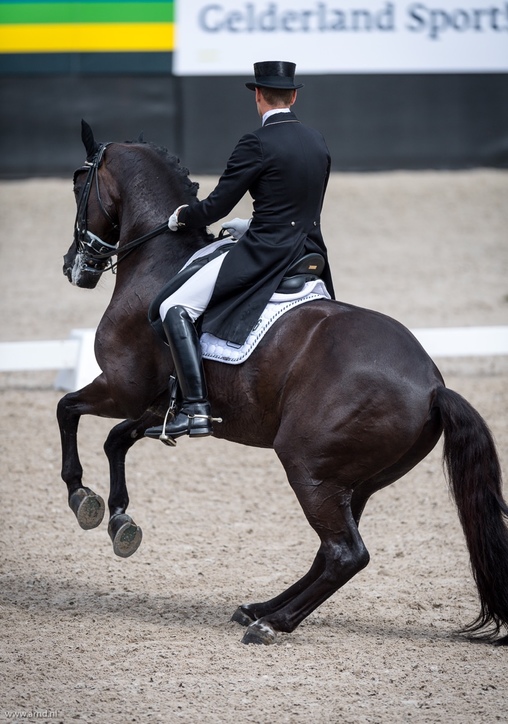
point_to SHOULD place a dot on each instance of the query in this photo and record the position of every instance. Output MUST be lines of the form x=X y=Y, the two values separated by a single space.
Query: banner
x=86 y=26
x=225 y=37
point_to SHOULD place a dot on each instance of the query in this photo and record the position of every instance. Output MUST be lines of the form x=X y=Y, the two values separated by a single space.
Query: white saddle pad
x=220 y=350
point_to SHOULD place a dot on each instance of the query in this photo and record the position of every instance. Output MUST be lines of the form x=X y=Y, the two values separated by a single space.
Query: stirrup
x=170 y=441
x=173 y=393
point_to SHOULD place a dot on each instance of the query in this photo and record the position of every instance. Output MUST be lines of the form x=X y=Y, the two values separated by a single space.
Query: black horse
x=347 y=397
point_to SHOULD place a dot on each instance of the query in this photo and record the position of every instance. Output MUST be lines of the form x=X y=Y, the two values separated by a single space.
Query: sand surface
x=90 y=637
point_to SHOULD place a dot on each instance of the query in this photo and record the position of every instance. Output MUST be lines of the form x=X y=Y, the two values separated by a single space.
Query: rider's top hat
x=274 y=74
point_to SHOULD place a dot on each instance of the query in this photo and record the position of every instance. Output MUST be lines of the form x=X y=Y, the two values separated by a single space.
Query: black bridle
x=97 y=254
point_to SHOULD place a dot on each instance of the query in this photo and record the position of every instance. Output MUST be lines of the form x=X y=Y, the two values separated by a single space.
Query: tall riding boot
x=194 y=416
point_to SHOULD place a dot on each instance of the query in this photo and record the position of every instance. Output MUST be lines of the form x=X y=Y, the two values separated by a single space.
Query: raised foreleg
x=124 y=533
x=89 y=507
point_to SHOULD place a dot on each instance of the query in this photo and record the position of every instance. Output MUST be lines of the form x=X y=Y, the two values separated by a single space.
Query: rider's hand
x=236 y=227
x=173 y=219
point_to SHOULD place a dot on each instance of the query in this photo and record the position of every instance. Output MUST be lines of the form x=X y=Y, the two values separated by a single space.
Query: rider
x=284 y=165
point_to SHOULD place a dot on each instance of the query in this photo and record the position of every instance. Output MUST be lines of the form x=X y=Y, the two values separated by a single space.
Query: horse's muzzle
x=79 y=273
x=68 y=264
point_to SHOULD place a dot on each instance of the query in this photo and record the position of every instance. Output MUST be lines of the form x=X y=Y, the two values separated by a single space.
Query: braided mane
x=173 y=162
x=181 y=175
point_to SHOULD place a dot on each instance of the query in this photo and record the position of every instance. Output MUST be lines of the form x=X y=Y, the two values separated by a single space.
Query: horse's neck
x=156 y=261
x=146 y=205
x=174 y=249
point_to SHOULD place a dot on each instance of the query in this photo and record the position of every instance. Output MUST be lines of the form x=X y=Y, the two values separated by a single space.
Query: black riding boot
x=194 y=416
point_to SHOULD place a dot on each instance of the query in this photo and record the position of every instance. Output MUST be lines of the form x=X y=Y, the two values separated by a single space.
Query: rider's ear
x=89 y=142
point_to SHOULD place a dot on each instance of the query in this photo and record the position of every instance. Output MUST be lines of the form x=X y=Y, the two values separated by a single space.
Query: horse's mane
x=181 y=173
x=191 y=187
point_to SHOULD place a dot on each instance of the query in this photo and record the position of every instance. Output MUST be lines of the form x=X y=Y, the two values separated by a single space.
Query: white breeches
x=195 y=294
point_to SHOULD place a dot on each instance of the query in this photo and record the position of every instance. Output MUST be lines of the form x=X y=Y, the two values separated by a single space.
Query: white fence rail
x=74 y=358
x=463 y=341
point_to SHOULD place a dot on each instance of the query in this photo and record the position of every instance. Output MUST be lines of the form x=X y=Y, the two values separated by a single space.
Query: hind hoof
x=259 y=632
x=125 y=535
x=88 y=507
x=241 y=617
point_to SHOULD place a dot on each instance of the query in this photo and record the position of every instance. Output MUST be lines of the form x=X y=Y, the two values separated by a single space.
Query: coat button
x=293 y=223
x=315 y=223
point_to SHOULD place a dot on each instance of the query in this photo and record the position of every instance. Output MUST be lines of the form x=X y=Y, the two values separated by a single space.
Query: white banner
x=225 y=37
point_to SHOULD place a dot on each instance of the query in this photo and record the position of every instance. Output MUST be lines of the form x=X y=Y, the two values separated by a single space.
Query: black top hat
x=274 y=74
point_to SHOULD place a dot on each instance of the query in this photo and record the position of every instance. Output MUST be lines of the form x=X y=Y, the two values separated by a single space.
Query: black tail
x=474 y=475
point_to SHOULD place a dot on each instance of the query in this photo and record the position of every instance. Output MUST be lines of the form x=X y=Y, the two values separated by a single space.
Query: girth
x=306 y=269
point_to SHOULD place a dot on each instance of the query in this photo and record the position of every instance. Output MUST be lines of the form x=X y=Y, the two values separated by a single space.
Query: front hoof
x=242 y=617
x=259 y=632
x=88 y=507
x=125 y=534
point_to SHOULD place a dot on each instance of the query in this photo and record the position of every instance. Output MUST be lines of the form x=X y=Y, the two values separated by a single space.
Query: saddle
x=301 y=271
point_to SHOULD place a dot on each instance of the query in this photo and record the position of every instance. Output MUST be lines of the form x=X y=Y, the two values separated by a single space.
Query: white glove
x=173 y=219
x=236 y=227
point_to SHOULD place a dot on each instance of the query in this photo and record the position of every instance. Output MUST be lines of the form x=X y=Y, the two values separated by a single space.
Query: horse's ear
x=89 y=142
x=140 y=138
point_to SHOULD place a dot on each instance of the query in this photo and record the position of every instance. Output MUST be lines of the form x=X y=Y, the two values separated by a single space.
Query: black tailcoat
x=285 y=167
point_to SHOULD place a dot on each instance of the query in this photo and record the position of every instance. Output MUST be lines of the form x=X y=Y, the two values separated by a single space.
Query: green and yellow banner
x=86 y=26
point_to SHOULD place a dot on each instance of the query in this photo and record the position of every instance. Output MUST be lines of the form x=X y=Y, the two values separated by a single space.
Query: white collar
x=272 y=112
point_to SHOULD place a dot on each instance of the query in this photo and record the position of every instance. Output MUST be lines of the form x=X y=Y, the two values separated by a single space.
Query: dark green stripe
x=108 y=12
x=83 y=2
x=86 y=63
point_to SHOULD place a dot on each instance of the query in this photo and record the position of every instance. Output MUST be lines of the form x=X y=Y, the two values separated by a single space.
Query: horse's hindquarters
x=329 y=382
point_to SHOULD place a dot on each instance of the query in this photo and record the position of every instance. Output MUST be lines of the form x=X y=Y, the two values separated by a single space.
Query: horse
x=346 y=397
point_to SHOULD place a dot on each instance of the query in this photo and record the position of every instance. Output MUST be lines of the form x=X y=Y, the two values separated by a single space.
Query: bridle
x=94 y=250
x=97 y=254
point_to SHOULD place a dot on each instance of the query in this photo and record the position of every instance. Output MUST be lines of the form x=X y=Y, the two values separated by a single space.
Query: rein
x=95 y=251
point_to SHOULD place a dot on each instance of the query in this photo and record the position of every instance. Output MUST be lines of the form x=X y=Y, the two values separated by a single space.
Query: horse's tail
x=474 y=474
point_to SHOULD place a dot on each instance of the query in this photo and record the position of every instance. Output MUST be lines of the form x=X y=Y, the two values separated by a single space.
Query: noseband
x=96 y=253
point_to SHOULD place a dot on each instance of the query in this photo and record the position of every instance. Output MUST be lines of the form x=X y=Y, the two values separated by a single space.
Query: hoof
x=242 y=617
x=259 y=632
x=87 y=507
x=125 y=534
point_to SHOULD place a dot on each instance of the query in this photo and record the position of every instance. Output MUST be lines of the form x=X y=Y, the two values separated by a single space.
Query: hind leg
x=341 y=555
x=361 y=492
x=247 y=613
x=425 y=442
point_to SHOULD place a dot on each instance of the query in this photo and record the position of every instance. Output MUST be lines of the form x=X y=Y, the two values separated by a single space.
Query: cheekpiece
x=274 y=74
